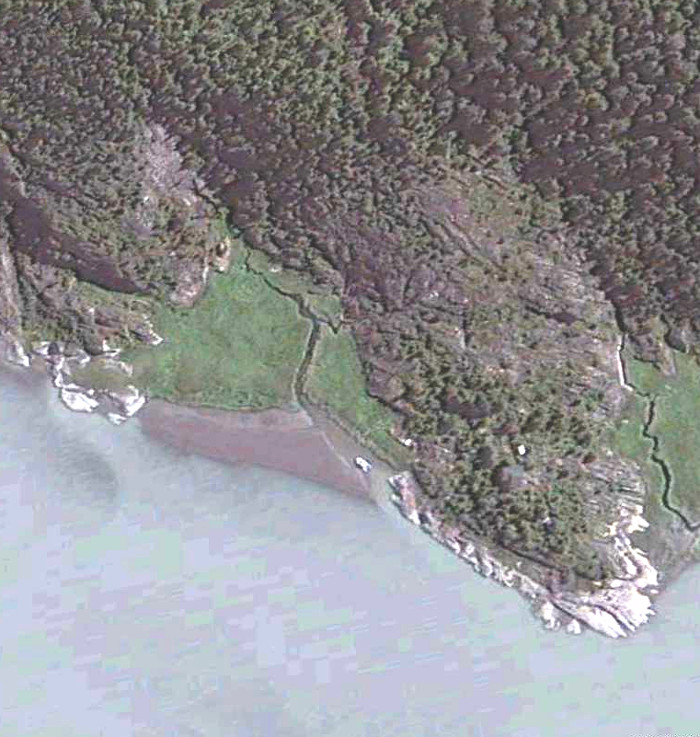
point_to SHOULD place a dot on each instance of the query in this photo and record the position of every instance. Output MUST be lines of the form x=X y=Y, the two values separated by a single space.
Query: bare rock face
x=10 y=316
x=91 y=383
x=191 y=283
x=616 y=607
x=145 y=229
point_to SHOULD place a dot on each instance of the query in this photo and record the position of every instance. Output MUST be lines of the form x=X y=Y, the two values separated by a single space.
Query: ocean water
x=146 y=592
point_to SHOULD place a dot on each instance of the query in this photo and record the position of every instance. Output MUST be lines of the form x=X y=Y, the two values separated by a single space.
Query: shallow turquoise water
x=147 y=592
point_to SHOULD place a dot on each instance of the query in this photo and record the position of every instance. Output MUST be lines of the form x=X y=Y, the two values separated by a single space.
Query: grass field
x=239 y=347
x=646 y=378
x=628 y=439
x=336 y=382
x=676 y=424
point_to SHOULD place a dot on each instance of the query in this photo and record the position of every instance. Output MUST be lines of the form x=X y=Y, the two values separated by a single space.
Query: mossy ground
x=676 y=425
x=628 y=438
x=663 y=540
x=336 y=382
x=629 y=441
x=238 y=348
x=100 y=378
x=646 y=377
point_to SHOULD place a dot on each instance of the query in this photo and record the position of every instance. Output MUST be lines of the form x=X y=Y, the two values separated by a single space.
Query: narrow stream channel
x=655 y=456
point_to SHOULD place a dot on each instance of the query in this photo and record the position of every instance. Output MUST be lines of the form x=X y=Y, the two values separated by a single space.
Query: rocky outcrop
x=169 y=184
x=12 y=351
x=117 y=403
x=221 y=258
x=11 y=348
x=191 y=283
x=615 y=607
x=146 y=229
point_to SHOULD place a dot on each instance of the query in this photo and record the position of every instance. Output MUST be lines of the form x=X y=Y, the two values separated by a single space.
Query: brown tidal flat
x=284 y=441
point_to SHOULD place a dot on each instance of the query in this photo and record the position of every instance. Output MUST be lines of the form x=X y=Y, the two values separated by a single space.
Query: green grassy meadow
x=239 y=347
x=100 y=378
x=242 y=344
x=628 y=439
x=676 y=425
x=336 y=382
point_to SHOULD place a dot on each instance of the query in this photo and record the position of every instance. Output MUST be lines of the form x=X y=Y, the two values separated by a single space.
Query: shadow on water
x=61 y=448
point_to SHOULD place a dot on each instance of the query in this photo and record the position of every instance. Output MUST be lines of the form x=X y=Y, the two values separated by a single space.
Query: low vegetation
x=675 y=424
x=337 y=383
x=100 y=377
x=646 y=378
x=628 y=437
x=239 y=348
x=319 y=299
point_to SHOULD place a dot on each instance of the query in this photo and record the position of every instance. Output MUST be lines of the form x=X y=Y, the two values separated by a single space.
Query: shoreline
x=280 y=440
x=308 y=444
x=305 y=444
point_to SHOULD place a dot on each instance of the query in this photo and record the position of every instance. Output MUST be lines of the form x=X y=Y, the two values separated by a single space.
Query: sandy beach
x=290 y=442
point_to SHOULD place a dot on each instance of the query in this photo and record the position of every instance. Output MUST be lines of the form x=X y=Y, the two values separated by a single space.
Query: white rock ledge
x=130 y=400
x=616 y=609
x=115 y=418
x=14 y=352
x=79 y=398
